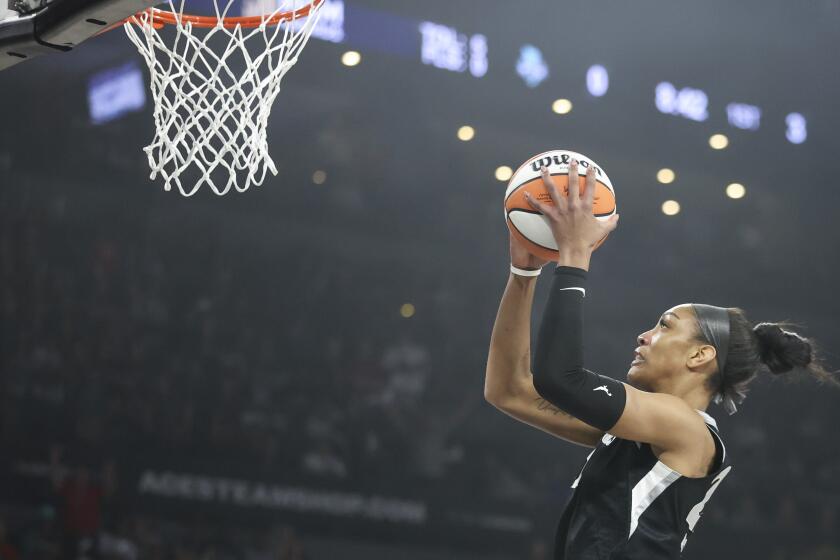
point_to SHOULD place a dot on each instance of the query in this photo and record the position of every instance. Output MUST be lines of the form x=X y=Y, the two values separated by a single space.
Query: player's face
x=663 y=350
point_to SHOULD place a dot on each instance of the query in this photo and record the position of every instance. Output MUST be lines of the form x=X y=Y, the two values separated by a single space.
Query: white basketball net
x=213 y=96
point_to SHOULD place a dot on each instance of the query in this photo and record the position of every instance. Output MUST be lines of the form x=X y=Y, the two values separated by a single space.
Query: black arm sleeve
x=559 y=375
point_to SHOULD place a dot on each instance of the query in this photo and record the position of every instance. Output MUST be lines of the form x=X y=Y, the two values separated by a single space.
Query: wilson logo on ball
x=558 y=158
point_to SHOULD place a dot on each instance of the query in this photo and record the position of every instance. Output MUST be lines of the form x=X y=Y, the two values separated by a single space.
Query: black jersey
x=626 y=504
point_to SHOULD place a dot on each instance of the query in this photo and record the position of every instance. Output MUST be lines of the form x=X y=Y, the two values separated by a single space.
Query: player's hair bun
x=781 y=350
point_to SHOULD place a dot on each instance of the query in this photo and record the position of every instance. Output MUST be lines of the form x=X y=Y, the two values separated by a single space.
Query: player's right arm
x=508 y=382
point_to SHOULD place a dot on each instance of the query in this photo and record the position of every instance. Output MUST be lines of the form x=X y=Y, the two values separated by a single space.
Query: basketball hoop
x=213 y=89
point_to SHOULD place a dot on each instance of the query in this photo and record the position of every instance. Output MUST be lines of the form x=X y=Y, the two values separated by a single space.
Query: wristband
x=524 y=272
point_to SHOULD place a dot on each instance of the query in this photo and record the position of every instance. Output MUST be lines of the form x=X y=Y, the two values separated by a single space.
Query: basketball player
x=658 y=456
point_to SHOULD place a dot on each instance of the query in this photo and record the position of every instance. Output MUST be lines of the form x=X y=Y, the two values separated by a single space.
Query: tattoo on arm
x=543 y=404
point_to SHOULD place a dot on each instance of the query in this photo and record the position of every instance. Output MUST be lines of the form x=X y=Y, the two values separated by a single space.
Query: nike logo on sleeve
x=603 y=388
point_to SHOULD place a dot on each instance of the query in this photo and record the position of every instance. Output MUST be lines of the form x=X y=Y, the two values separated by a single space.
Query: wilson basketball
x=532 y=228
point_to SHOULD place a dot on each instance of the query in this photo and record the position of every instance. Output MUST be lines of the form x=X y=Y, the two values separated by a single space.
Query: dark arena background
x=296 y=372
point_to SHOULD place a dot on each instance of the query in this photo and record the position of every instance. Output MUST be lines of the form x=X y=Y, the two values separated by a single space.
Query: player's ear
x=699 y=355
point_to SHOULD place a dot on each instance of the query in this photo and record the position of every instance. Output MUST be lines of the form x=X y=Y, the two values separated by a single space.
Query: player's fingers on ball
x=589 y=187
x=536 y=205
x=574 y=183
x=549 y=185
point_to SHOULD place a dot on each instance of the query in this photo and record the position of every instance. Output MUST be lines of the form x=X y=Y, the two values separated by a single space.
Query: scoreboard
x=469 y=52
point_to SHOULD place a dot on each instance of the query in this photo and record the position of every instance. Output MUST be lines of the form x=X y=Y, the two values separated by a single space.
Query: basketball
x=532 y=228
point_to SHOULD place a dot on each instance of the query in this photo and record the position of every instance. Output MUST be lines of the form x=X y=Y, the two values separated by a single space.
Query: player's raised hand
x=574 y=227
x=521 y=258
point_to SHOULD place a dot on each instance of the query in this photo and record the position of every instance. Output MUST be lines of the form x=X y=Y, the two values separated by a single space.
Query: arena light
x=735 y=190
x=743 y=116
x=561 y=106
x=447 y=48
x=531 y=66
x=797 y=128
x=718 y=141
x=478 y=56
x=689 y=103
x=466 y=133
x=670 y=207
x=115 y=92
x=407 y=310
x=504 y=173
x=665 y=176
x=330 y=26
x=597 y=80
x=319 y=177
x=351 y=58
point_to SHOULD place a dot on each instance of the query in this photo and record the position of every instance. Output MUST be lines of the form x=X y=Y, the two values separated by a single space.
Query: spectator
x=80 y=498
x=7 y=550
x=539 y=550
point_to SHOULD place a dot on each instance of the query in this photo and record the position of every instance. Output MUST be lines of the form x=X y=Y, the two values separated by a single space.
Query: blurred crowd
x=145 y=537
x=117 y=344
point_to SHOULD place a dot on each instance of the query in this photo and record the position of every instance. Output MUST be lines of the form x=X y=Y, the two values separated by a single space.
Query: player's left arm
x=559 y=376
x=663 y=420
